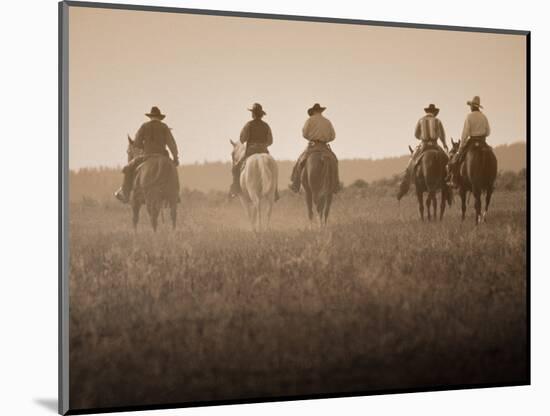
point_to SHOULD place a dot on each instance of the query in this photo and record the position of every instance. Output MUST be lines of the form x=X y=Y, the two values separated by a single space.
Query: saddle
x=475 y=143
x=252 y=149
x=318 y=147
x=427 y=145
x=255 y=148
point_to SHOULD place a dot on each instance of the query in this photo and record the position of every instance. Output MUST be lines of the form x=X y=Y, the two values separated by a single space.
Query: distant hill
x=101 y=182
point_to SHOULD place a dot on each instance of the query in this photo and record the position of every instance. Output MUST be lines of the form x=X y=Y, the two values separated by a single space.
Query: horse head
x=238 y=152
x=454 y=148
x=133 y=151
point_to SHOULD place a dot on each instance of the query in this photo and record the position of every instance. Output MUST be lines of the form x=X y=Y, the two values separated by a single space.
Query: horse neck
x=134 y=152
x=239 y=153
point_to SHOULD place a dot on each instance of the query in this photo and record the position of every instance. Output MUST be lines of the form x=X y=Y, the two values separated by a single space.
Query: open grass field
x=211 y=311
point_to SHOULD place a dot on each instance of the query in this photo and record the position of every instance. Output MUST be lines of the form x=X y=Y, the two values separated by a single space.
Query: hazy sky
x=205 y=71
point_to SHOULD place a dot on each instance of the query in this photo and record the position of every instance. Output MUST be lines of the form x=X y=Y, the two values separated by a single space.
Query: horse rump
x=157 y=178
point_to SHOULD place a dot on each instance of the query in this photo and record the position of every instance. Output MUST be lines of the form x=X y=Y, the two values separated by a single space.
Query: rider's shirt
x=476 y=125
x=257 y=132
x=154 y=136
x=318 y=129
x=429 y=128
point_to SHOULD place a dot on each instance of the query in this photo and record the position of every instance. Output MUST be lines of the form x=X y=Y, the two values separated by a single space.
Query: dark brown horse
x=155 y=184
x=317 y=179
x=429 y=176
x=476 y=174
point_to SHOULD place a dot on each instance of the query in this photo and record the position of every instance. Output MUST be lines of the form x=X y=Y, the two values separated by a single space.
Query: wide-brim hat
x=257 y=109
x=476 y=102
x=432 y=109
x=316 y=107
x=155 y=112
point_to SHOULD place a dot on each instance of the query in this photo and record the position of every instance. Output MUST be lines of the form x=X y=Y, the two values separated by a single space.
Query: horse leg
x=328 y=203
x=434 y=205
x=320 y=205
x=477 y=196
x=420 y=198
x=443 y=205
x=309 y=205
x=254 y=215
x=268 y=213
x=247 y=205
x=429 y=206
x=463 y=202
x=153 y=210
x=136 y=206
x=487 y=202
x=260 y=209
x=173 y=213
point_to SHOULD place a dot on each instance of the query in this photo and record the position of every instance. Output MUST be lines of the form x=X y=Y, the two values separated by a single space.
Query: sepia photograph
x=265 y=207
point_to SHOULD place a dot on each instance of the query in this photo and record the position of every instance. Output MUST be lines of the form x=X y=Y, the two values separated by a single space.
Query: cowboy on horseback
x=428 y=130
x=319 y=132
x=258 y=137
x=153 y=137
x=476 y=129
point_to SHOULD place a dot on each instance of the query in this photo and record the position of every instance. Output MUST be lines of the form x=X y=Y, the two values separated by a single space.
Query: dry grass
x=211 y=311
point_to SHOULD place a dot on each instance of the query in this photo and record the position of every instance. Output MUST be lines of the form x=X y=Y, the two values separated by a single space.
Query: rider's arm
x=442 y=134
x=245 y=133
x=466 y=130
x=305 y=130
x=331 y=132
x=171 y=143
x=269 y=136
x=418 y=130
x=140 y=137
x=487 y=127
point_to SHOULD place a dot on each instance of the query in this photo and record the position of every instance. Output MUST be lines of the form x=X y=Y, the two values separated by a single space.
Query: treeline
x=380 y=174
x=506 y=181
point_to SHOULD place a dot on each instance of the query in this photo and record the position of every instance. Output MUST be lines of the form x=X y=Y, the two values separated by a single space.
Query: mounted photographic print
x=263 y=207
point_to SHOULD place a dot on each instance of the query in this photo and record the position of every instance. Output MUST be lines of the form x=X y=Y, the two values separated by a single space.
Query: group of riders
x=154 y=138
x=429 y=129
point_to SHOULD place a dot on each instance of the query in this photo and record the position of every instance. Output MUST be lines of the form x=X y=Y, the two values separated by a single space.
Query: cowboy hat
x=476 y=102
x=257 y=109
x=155 y=112
x=432 y=109
x=316 y=107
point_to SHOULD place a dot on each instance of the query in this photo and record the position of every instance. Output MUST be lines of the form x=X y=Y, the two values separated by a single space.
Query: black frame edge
x=63 y=215
x=228 y=13
x=528 y=199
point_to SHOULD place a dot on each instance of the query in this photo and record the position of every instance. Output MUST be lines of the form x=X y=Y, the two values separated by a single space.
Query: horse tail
x=432 y=183
x=325 y=178
x=483 y=170
x=430 y=172
x=268 y=175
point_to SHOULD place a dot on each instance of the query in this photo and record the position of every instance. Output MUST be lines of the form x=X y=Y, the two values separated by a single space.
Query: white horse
x=258 y=182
